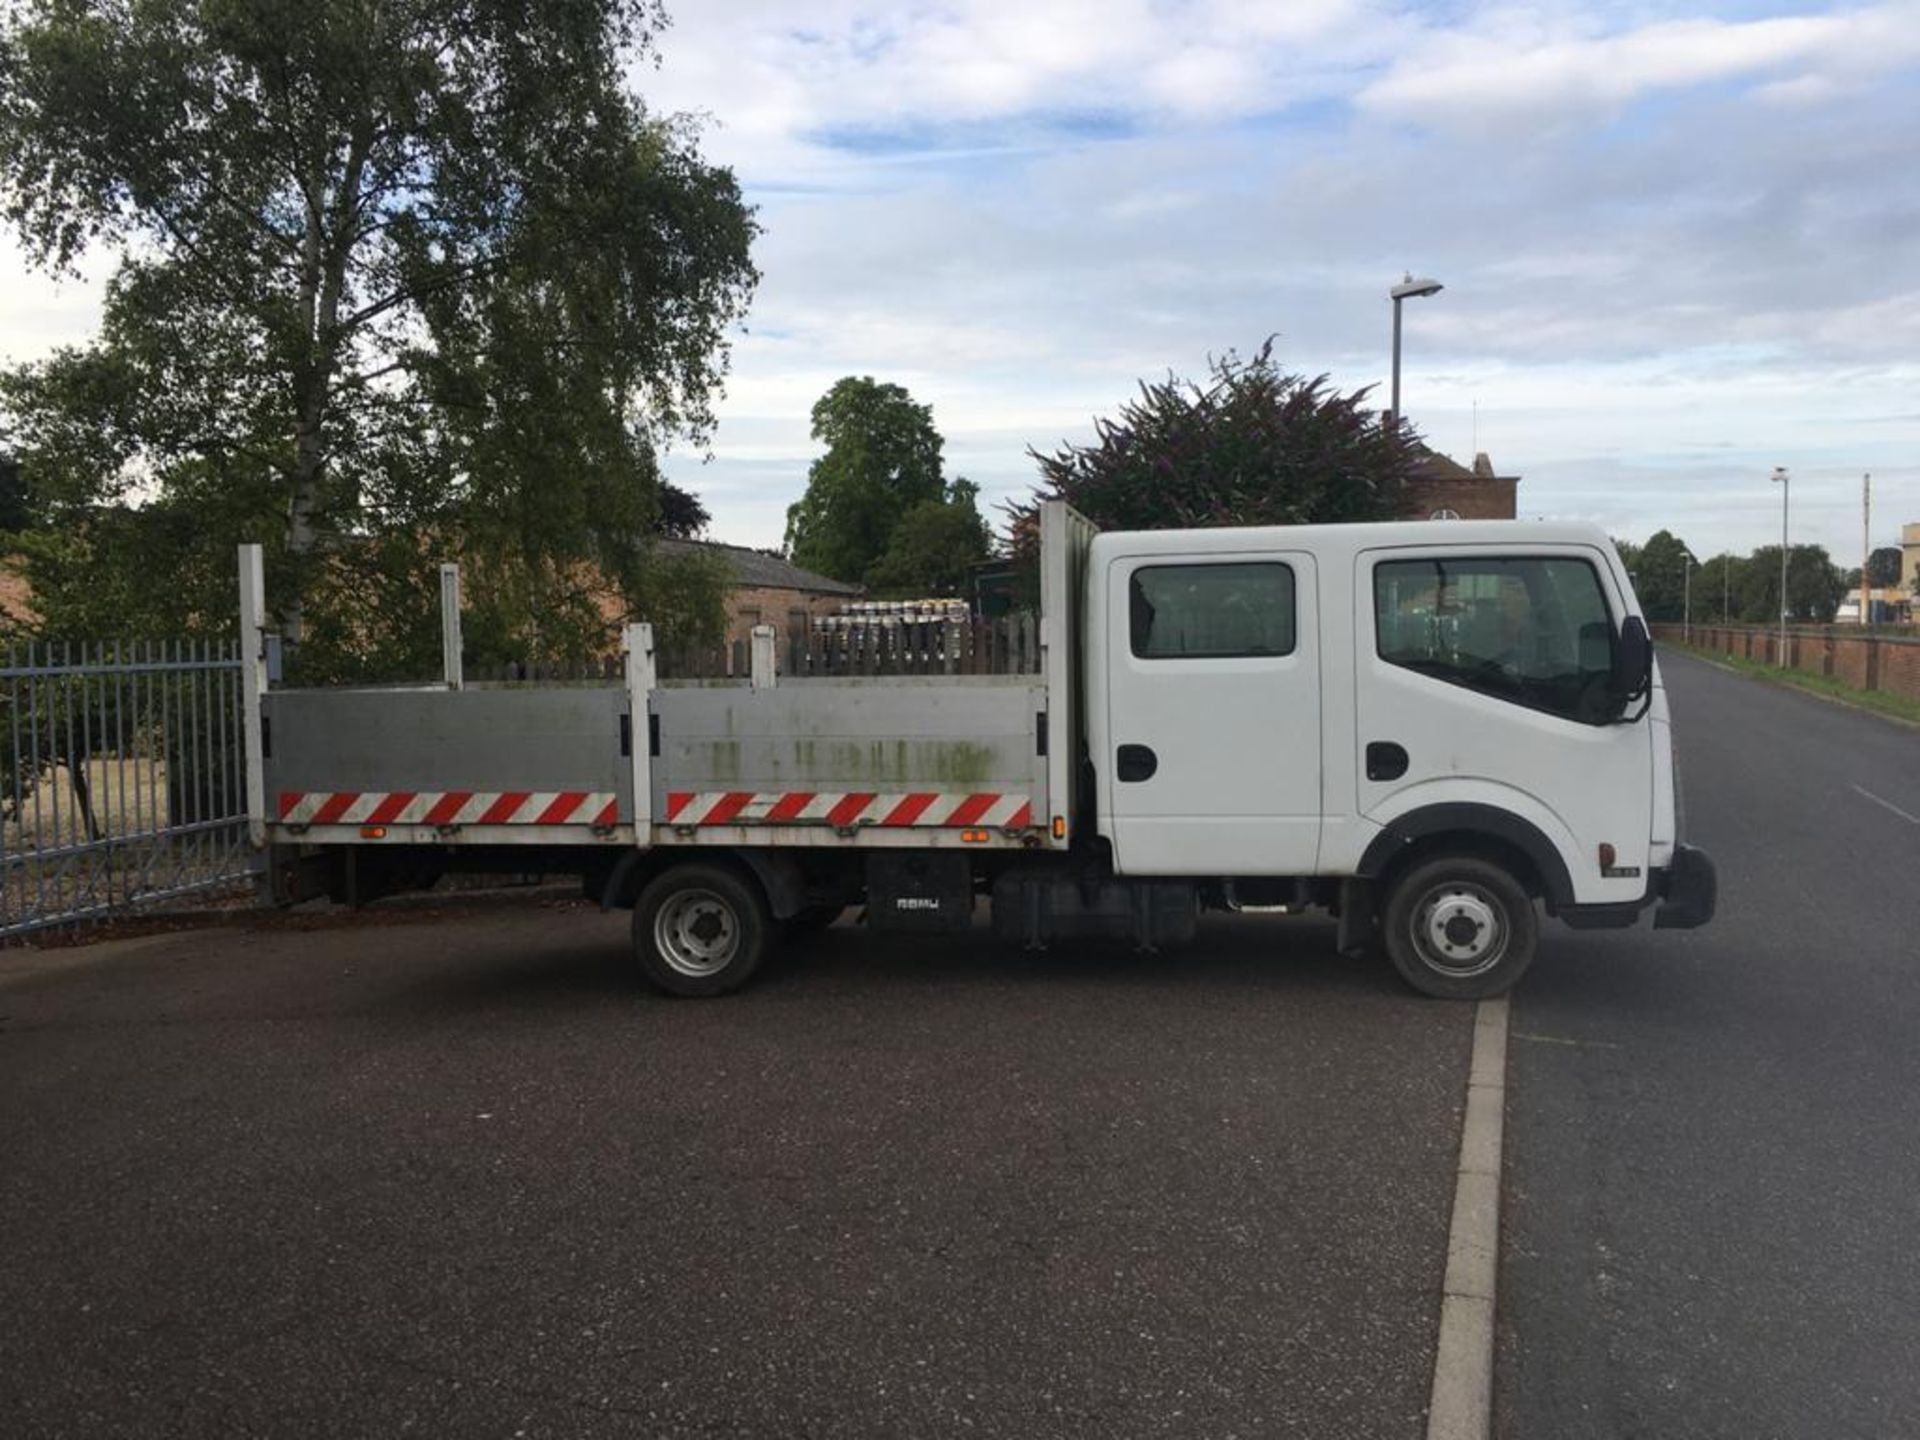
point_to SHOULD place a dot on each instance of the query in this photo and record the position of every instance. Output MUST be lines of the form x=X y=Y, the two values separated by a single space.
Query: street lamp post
x=1780 y=478
x=1408 y=289
x=1686 y=603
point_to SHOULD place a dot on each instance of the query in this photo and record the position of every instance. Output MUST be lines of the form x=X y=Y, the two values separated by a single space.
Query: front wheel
x=1460 y=928
x=700 y=930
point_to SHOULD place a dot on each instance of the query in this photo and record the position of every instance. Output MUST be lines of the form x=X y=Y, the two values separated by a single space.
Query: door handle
x=1385 y=760
x=1136 y=762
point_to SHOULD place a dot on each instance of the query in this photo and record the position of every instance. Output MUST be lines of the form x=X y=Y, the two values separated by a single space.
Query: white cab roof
x=1347 y=539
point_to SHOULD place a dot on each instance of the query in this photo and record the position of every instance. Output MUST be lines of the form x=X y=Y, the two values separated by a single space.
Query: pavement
x=464 y=1174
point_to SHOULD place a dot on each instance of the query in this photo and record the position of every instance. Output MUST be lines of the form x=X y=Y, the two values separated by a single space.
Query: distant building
x=1909 y=555
x=1892 y=605
x=1444 y=489
x=767 y=590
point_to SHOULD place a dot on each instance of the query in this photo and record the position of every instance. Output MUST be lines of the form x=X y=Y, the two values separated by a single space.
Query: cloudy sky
x=1680 y=244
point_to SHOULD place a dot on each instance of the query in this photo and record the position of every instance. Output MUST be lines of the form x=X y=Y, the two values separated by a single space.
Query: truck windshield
x=1532 y=630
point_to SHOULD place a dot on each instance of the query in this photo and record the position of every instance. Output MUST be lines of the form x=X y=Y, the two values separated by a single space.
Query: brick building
x=1444 y=489
x=16 y=596
x=766 y=589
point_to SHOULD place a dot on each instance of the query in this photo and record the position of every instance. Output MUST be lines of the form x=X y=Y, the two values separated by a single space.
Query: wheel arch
x=778 y=875
x=1473 y=829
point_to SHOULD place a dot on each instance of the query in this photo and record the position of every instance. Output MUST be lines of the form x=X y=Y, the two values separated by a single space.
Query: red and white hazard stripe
x=843 y=808
x=447 y=807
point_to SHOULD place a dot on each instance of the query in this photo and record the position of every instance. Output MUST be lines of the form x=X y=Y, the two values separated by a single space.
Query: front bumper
x=1689 y=891
x=1684 y=895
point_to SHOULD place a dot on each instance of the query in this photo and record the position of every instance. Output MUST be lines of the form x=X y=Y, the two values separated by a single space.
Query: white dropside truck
x=1434 y=731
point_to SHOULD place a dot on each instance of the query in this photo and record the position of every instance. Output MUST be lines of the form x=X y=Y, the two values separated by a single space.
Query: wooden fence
x=1006 y=646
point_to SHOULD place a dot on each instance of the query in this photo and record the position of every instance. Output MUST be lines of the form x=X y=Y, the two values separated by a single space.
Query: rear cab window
x=1211 y=612
x=1533 y=630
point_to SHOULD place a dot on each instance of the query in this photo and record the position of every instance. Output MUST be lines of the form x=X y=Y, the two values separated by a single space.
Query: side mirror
x=1632 y=673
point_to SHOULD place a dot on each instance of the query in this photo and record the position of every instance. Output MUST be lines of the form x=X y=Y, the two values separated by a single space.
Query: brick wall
x=1474 y=498
x=747 y=607
x=1887 y=663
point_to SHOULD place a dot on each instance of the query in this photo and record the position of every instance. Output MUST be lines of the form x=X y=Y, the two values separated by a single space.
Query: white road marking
x=1461 y=1407
x=1887 y=805
x=1563 y=1040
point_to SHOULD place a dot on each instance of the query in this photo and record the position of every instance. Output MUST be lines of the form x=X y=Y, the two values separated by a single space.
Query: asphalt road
x=468 y=1178
x=1712 y=1224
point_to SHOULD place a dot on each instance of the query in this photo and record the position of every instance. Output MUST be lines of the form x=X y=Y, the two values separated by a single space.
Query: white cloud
x=1677 y=246
x=1514 y=64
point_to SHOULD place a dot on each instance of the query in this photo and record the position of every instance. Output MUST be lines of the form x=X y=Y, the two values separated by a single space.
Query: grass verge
x=1894 y=707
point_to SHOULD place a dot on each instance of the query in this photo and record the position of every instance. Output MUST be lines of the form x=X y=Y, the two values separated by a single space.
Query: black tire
x=1459 y=928
x=806 y=924
x=700 y=930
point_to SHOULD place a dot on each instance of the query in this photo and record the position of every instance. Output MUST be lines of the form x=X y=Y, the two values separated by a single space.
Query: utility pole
x=1686 y=603
x=1780 y=474
x=1726 y=585
x=1866 y=546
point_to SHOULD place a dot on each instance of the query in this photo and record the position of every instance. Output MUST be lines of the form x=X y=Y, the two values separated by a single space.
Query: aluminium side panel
x=449 y=766
x=900 y=760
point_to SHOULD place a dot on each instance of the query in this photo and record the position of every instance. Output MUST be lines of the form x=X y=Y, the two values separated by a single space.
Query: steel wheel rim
x=1460 y=929
x=697 y=933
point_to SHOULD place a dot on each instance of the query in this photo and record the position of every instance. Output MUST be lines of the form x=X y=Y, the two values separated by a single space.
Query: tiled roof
x=757 y=570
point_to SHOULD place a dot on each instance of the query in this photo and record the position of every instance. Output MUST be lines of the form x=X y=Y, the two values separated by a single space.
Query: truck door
x=1482 y=676
x=1213 y=700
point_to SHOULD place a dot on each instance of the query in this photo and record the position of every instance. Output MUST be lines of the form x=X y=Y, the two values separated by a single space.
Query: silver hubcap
x=1460 y=929
x=696 y=933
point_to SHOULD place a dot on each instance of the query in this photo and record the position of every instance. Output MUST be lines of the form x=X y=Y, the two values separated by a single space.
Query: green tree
x=681 y=514
x=1716 y=586
x=397 y=281
x=935 y=546
x=1249 y=445
x=883 y=459
x=1814 y=588
x=1883 y=567
x=1659 y=574
x=14 y=513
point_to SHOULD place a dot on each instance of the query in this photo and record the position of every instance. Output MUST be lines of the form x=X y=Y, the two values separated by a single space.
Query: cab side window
x=1211 y=612
x=1533 y=630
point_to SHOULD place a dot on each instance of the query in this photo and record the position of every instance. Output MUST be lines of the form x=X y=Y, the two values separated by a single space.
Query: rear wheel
x=1460 y=928
x=700 y=930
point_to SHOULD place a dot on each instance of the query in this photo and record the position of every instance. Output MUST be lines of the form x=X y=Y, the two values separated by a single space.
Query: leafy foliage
x=421 y=276
x=1659 y=569
x=1883 y=567
x=935 y=546
x=882 y=460
x=1814 y=588
x=14 y=510
x=1252 y=444
x=682 y=516
x=1748 y=587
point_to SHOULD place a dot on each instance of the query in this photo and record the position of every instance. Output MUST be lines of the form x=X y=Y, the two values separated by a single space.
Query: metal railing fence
x=122 y=778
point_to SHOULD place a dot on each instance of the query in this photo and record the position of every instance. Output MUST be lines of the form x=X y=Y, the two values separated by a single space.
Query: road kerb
x=1461 y=1406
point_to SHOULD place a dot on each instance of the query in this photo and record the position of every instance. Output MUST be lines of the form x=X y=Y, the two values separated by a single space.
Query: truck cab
x=1352 y=704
